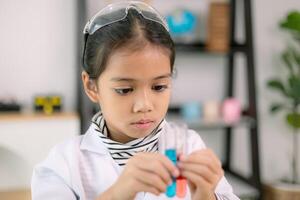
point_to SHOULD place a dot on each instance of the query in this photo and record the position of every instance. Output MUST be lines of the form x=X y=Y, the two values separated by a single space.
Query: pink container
x=231 y=110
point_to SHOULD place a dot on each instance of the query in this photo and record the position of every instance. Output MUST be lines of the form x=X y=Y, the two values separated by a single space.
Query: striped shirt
x=122 y=152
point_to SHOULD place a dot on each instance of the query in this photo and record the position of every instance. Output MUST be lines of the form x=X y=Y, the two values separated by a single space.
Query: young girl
x=128 y=65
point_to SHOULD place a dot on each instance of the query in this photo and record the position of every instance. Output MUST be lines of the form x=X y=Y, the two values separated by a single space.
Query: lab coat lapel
x=91 y=142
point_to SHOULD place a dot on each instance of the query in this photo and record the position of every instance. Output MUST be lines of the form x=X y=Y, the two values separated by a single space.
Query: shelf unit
x=248 y=51
x=252 y=184
x=201 y=47
x=245 y=187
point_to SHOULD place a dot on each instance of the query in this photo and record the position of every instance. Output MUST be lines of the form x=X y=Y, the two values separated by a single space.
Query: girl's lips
x=143 y=124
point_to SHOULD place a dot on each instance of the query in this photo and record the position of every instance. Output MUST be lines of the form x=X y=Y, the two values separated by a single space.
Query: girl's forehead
x=148 y=62
x=147 y=52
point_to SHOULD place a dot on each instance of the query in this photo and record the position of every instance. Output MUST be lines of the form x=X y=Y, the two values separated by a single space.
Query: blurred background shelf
x=202 y=47
x=6 y=116
x=201 y=124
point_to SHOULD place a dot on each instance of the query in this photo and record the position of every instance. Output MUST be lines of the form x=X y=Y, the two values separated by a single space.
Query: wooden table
x=23 y=194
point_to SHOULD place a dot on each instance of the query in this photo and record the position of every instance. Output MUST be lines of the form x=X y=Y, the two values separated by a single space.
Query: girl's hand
x=203 y=171
x=144 y=172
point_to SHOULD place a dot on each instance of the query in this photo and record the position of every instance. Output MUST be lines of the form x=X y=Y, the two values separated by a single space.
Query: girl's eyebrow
x=120 y=79
x=163 y=76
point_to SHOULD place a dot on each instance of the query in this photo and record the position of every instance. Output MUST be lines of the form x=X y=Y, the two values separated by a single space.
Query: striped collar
x=96 y=140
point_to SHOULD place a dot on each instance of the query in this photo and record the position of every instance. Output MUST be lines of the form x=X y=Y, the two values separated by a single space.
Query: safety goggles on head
x=118 y=11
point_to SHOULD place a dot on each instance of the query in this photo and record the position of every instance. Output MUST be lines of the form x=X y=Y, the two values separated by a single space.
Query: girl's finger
x=201 y=160
x=158 y=171
x=155 y=167
x=148 y=188
x=151 y=180
x=200 y=170
x=196 y=179
x=167 y=164
x=214 y=157
x=209 y=153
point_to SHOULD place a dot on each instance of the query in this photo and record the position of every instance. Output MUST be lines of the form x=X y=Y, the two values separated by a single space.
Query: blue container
x=191 y=111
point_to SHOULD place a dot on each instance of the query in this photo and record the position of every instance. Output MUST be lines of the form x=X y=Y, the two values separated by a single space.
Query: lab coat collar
x=91 y=142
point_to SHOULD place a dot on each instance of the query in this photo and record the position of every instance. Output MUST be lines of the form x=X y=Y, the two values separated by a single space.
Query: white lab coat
x=82 y=168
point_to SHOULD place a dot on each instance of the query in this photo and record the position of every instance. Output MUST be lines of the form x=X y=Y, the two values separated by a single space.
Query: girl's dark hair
x=133 y=33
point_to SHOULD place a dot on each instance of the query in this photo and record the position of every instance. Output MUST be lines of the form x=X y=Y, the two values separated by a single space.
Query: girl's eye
x=123 y=91
x=159 y=88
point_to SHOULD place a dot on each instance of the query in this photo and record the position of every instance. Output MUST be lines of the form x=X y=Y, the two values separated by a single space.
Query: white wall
x=37 y=56
x=37 y=51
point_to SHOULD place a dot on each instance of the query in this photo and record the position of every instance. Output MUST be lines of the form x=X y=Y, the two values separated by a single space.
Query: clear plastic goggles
x=118 y=11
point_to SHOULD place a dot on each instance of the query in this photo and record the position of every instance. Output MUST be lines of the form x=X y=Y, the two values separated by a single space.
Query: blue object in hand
x=171 y=189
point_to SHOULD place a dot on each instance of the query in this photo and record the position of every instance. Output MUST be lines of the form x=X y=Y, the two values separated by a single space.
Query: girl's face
x=133 y=92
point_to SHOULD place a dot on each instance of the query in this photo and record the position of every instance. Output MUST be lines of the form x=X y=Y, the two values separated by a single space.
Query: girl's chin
x=139 y=133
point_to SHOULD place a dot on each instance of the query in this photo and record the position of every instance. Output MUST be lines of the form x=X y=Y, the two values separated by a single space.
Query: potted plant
x=289 y=87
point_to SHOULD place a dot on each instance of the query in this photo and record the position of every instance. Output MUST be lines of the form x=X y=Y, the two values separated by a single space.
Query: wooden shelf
x=22 y=194
x=9 y=116
x=201 y=47
x=200 y=124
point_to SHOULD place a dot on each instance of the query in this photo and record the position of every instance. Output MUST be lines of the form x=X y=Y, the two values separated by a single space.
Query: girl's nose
x=143 y=103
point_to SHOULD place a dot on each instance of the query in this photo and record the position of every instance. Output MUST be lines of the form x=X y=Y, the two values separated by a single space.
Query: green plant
x=289 y=86
x=292 y=23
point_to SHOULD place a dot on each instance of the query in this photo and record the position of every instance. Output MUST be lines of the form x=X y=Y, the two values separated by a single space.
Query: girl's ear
x=90 y=87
